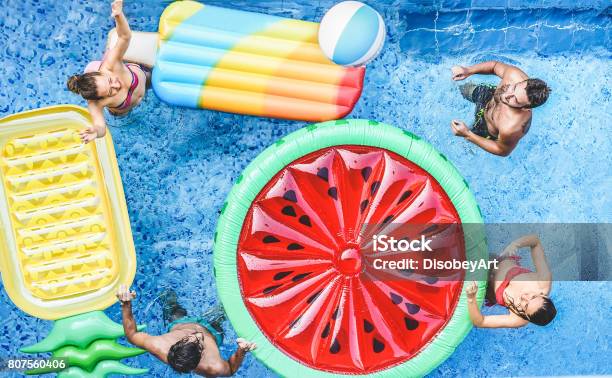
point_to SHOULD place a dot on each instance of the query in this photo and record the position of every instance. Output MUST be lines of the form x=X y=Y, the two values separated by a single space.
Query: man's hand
x=459 y=128
x=116 y=8
x=246 y=346
x=125 y=295
x=459 y=73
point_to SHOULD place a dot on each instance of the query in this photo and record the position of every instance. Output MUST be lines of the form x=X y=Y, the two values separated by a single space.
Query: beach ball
x=351 y=33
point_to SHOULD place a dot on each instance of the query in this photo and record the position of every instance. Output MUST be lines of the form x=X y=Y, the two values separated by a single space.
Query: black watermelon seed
x=270 y=239
x=323 y=173
x=405 y=196
x=325 y=332
x=429 y=229
x=388 y=219
x=377 y=345
x=290 y=196
x=335 y=348
x=431 y=280
x=421 y=204
x=396 y=299
x=336 y=313
x=411 y=324
x=294 y=246
x=406 y=272
x=366 y=172
x=314 y=296
x=281 y=275
x=305 y=220
x=364 y=204
x=270 y=289
x=333 y=192
x=288 y=210
x=301 y=276
x=367 y=326
x=294 y=323
x=412 y=308
x=374 y=187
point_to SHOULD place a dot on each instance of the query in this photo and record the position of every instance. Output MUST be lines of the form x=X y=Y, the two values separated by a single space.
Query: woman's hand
x=88 y=134
x=116 y=8
x=471 y=290
x=459 y=73
x=510 y=250
x=125 y=295
x=92 y=133
x=246 y=346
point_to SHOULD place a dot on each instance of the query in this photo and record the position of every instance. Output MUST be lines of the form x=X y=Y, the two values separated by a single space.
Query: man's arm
x=115 y=55
x=227 y=368
x=499 y=147
x=132 y=334
x=491 y=67
x=139 y=339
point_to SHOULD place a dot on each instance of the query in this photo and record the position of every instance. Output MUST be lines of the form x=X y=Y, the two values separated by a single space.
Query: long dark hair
x=84 y=85
x=185 y=354
x=542 y=316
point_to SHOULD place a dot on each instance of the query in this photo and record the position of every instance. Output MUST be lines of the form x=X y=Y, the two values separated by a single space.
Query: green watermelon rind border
x=302 y=142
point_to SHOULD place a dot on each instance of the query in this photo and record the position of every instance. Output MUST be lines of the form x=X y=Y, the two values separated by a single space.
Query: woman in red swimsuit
x=523 y=292
x=115 y=85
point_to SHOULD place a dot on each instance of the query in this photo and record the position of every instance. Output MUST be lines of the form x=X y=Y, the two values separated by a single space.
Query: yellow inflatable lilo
x=66 y=243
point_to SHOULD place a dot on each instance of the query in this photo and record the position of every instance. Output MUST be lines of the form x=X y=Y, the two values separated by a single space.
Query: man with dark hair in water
x=191 y=344
x=503 y=113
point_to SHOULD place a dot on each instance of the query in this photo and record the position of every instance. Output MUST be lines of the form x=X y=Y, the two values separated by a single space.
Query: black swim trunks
x=480 y=95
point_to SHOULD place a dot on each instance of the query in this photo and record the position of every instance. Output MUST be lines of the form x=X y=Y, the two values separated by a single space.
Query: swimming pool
x=178 y=164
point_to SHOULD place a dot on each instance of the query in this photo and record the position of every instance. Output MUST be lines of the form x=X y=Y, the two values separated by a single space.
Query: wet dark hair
x=537 y=92
x=542 y=316
x=185 y=355
x=545 y=314
x=84 y=85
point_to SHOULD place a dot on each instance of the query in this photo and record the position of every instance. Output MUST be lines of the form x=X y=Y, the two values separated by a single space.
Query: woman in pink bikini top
x=114 y=84
x=523 y=292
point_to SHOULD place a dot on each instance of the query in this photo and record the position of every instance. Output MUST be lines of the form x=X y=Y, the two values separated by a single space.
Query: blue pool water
x=178 y=165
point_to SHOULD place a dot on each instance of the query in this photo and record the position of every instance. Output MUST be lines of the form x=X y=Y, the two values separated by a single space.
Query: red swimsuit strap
x=512 y=272
x=128 y=99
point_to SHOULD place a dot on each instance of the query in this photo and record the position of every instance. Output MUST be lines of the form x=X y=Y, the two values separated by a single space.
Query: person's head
x=94 y=85
x=527 y=94
x=185 y=355
x=534 y=307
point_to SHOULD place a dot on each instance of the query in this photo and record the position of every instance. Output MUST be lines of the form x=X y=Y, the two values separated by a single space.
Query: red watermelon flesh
x=305 y=260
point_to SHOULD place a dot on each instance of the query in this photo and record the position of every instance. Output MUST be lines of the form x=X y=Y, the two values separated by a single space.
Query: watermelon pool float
x=294 y=263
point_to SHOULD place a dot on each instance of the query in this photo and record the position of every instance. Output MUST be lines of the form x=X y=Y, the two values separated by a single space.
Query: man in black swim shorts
x=503 y=113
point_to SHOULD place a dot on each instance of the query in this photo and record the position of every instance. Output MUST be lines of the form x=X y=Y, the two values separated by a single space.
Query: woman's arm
x=98 y=127
x=114 y=56
x=492 y=321
x=537 y=256
x=501 y=321
x=539 y=260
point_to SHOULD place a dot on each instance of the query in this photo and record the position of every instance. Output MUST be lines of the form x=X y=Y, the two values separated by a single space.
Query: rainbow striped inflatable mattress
x=249 y=63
